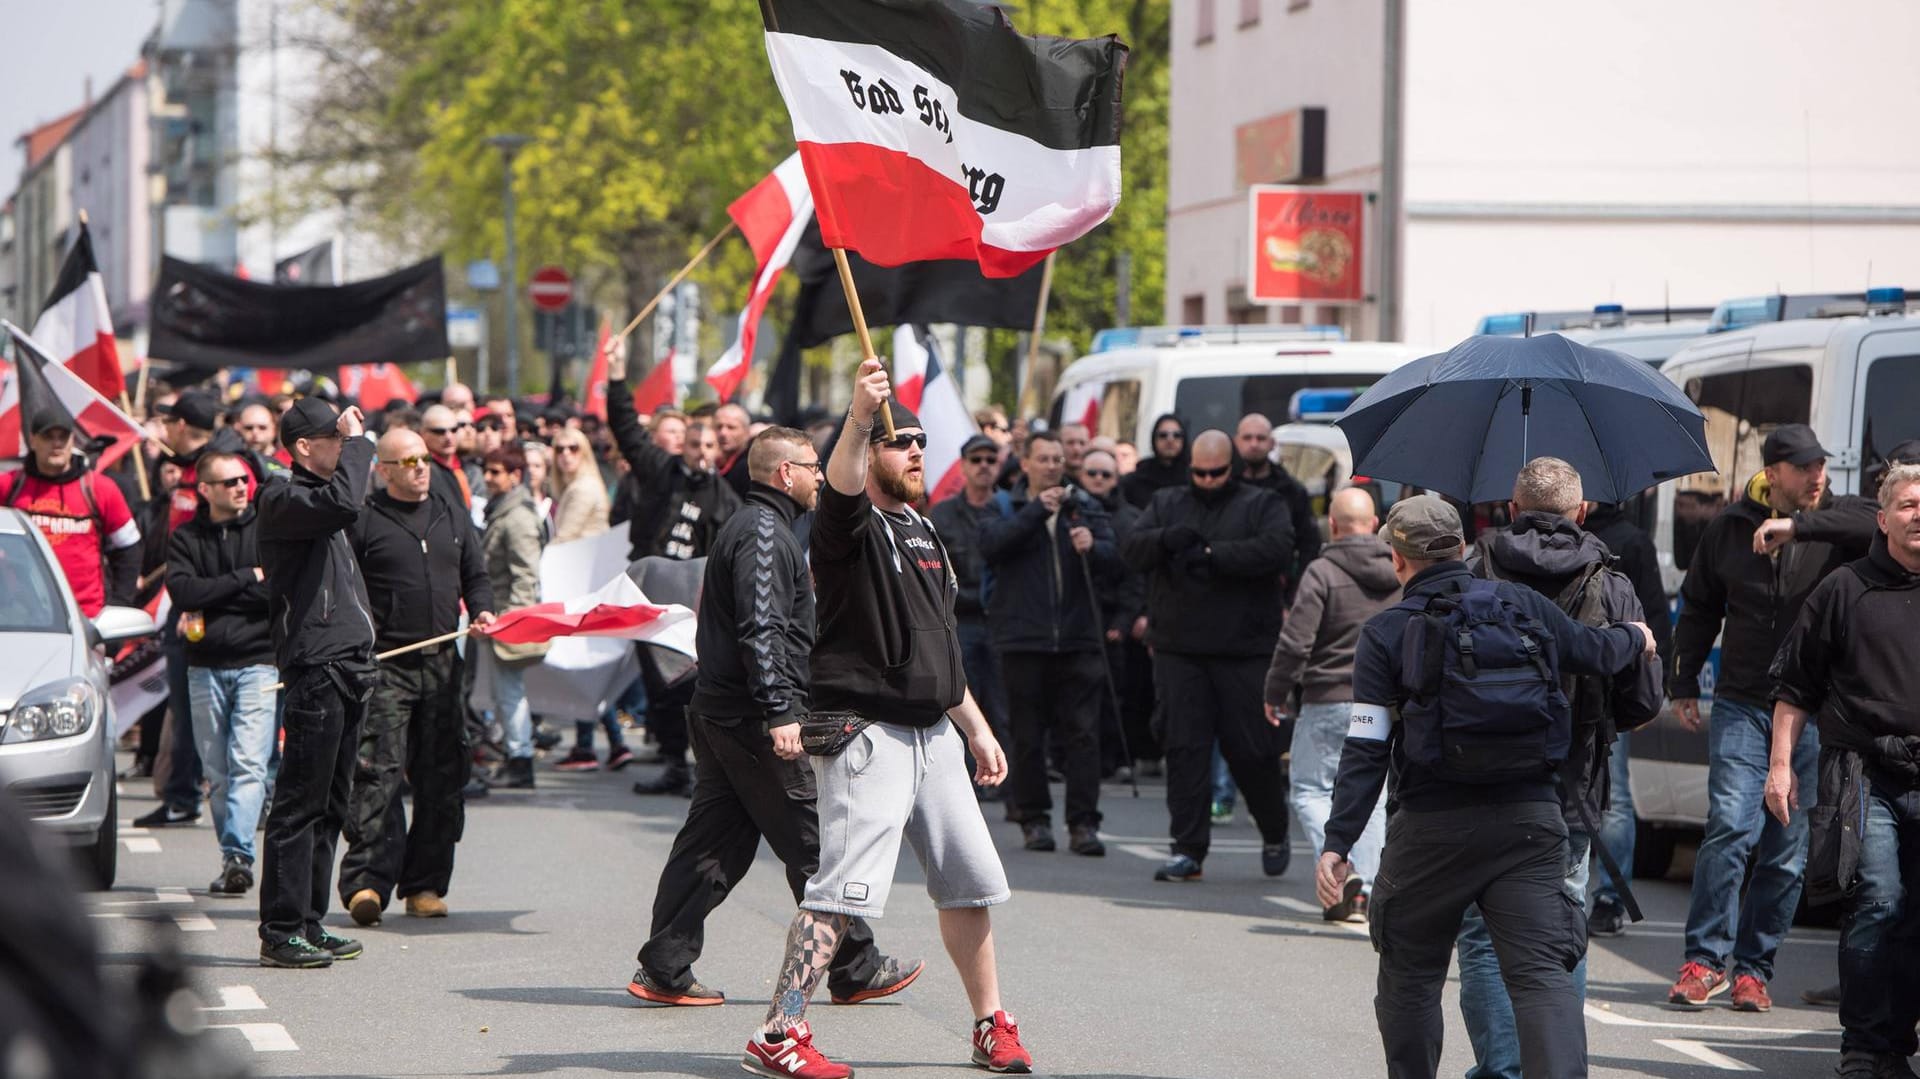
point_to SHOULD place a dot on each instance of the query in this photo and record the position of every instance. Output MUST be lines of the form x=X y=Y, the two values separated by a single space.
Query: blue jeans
x=510 y=705
x=182 y=791
x=1738 y=826
x=1224 y=792
x=1318 y=735
x=1617 y=824
x=982 y=667
x=1879 y=981
x=233 y=729
x=1484 y=1004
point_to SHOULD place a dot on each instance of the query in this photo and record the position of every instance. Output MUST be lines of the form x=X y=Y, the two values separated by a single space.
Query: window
x=1892 y=409
x=1193 y=311
x=1742 y=407
x=1249 y=13
x=29 y=592
x=1219 y=401
x=1203 y=9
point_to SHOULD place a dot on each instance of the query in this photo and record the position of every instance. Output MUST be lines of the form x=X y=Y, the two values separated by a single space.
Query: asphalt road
x=1108 y=973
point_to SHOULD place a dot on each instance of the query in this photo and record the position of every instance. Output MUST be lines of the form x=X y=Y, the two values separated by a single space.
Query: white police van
x=1650 y=333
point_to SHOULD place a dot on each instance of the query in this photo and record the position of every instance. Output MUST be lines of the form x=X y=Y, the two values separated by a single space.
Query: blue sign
x=483 y=275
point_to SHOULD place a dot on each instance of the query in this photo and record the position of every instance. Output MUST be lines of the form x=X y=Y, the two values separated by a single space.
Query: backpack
x=1484 y=703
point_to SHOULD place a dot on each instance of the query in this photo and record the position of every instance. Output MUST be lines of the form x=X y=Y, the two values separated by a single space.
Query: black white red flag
x=932 y=129
x=41 y=388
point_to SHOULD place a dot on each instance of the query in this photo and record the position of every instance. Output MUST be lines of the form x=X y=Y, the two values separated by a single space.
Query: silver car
x=56 y=713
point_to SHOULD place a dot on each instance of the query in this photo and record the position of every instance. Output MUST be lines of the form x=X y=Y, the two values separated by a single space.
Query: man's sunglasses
x=901 y=442
x=983 y=460
x=416 y=460
x=1096 y=473
x=230 y=483
x=442 y=431
x=1210 y=473
x=1169 y=433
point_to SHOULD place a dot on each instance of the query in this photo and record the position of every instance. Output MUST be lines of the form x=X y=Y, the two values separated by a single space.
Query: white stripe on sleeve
x=125 y=536
x=1370 y=721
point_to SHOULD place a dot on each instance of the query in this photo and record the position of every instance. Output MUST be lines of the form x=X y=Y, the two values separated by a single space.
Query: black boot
x=676 y=778
x=516 y=774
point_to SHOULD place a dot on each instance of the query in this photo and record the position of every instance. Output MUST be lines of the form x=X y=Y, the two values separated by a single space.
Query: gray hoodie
x=1350 y=582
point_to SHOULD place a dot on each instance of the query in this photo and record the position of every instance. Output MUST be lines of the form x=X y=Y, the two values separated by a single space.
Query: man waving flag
x=931 y=129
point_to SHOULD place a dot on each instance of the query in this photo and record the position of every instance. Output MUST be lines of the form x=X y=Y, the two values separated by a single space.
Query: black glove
x=1178 y=538
x=1193 y=562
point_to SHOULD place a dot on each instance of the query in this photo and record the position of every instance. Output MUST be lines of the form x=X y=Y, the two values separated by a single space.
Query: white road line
x=1615 y=1019
x=140 y=844
x=237 y=998
x=128 y=828
x=1711 y=1058
x=194 y=922
x=1301 y=906
x=167 y=896
x=264 y=1037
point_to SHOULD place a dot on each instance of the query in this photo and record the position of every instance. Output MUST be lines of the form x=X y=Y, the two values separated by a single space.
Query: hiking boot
x=1038 y=835
x=365 y=906
x=619 y=758
x=1826 y=996
x=1222 y=813
x=579 y=759
x=1275 y=858
x=676 y=778
x=1697 y=984
x=426 y=905
x=1178 y=868
x=338 y=946
x=1609 y=918
x=791 y=1057
x=515 y=774
x=644 y=987
x=997 y=1048
x=892 y=977
x=235 y=879
x=1085 y=839
x=167 y=817
x=1349 y=901
x=294 y=953
x=1750 y=994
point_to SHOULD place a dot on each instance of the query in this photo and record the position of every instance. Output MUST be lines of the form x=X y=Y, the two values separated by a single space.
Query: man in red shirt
x=85 y=519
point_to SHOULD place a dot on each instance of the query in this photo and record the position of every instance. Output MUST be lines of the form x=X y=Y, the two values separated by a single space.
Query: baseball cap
x=309 y=417
x=978 y=442
x=1423 y=528
x=195 y=408
x=47 y=418
x=1906 y=453
x=903 y=418
x=1795 y=444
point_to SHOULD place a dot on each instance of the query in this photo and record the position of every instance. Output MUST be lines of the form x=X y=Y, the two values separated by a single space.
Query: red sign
x=551 y=289
x=1306 y=245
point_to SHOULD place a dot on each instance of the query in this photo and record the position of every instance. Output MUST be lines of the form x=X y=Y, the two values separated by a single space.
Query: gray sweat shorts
x=892 y=782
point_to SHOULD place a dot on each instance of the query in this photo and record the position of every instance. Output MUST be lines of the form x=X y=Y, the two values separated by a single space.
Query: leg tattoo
x=810 y=945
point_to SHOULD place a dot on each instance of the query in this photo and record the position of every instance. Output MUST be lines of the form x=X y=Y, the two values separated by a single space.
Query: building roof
x=45 y=139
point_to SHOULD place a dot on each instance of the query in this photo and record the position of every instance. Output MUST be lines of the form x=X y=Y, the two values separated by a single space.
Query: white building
x=1554 y=156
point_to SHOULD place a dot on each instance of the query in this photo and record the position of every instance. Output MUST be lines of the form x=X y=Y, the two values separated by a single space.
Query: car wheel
x=103 y=861
x=1652 y=851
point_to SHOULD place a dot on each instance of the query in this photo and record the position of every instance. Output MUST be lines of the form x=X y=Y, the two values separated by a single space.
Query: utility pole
x=509 y=145
x=1392 y=167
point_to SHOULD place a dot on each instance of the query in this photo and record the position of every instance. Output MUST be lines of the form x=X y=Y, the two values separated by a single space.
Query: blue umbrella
x=1464 y=422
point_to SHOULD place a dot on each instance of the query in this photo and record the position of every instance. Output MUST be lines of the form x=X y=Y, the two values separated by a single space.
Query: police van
x=1849 y=367
x=1651 y=334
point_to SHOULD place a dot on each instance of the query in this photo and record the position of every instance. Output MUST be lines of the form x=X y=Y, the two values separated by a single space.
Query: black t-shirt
x=886 y=646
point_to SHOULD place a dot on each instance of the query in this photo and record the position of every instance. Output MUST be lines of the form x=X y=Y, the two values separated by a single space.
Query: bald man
x=1253 y=460
x=1311 y=676
x=1215 y=552
x=439 y=429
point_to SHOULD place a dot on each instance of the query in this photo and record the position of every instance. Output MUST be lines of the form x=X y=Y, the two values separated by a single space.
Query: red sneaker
x=1696 y=984
x=792 y=1058
x=997 y=1048
x=1750 y=994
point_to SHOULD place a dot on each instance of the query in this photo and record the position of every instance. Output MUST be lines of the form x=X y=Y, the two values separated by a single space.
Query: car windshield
x=29 y=593
x=1216 y=402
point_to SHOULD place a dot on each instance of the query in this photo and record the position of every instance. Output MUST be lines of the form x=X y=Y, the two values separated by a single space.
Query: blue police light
x=1609 y=309
x=1891 y=299
x=1503 y=325
x=1118 y=337
x=1320 y=406
x=1748 y=311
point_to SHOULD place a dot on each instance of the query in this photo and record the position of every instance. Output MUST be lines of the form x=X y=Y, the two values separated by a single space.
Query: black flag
x=945 y=290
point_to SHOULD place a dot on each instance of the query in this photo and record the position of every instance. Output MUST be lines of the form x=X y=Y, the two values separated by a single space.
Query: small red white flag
x=943 y=415
x=594 y=393
x=615 y=609
x=909 y=375
x=40 y=384
x=75 y=327
x=771 y=215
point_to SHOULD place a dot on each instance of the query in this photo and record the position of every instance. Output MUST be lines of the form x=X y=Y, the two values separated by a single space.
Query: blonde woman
x=539 y=473
x=580 y=507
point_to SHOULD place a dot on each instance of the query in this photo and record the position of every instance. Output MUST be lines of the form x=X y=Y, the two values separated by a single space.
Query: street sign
x=463 y=327
x=483 y=275
x=550 y=289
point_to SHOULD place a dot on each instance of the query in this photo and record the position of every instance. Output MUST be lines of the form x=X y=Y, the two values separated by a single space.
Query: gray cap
x=1424 y=528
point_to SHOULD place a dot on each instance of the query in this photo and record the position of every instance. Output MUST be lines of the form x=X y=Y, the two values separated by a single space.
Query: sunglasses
x=1210 y=473
x=416 y=460
x=438 y=430
x=1096 y=473
x=1170 y=434
x=901 y=442
x=489 y=425
x=983 y=460
x=229 y=483
x=566 y=449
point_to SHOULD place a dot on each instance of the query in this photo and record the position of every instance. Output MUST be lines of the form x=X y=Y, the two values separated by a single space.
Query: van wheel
x=103 y=859
x=1652 y=850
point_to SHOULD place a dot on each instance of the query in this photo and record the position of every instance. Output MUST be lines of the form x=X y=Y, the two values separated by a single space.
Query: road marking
x=264 y=1037
x=127 y=827
x=1710 y=1057
x=194 y=922
x=1301 y=906
x=171 y=896
x=140 y=844
x=236 y=998
x=1615 y=1019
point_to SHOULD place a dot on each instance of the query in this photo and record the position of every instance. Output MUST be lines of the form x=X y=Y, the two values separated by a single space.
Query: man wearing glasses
x=421 y=558
x=440 y=429
x=1216 y=552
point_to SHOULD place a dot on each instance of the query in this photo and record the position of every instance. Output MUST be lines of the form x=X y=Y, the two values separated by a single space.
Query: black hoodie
x=420 y=560
x=211 y=569
x=1155 y=473
x=1215 y=563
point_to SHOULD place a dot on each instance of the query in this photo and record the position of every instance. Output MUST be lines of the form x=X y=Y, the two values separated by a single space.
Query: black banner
x=204 y=318
x=314 y=266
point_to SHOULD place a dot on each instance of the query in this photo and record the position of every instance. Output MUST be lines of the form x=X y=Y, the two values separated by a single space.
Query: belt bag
x=825 y=734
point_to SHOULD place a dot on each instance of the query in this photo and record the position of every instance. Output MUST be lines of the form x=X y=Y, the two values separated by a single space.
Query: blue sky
x=53 y=45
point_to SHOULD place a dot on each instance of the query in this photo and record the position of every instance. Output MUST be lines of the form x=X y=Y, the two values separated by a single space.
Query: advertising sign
x=1306 y=245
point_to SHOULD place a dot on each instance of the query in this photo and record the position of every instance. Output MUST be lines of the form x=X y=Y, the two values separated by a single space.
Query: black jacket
x=959 y=523
x=1123 y=596
x=210 y=569
x=1215 y=565
x=420 y=560
x=317 y=599
x=1366 y=758
x=1306 y=527
x=1635 y=556
x=1153 y=473
x=1756 y=596
x=1040 y=601
x=1551 y=555
x=677 y=512
x=756 y=616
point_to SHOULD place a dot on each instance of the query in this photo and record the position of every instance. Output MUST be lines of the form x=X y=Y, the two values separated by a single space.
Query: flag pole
x=1039 y=321
x=404 y=649
x=139 y=457
x=860 y=326
x=698 y=257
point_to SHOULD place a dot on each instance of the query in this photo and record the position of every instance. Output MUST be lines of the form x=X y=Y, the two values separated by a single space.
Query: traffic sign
x=550 y=289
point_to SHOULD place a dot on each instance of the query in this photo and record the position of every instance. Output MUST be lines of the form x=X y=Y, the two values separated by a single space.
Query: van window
x=1218 y=402
x=1742 y=407
x=1892 y=407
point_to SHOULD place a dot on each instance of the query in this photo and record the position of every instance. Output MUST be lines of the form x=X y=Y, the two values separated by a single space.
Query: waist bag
x=825 y=734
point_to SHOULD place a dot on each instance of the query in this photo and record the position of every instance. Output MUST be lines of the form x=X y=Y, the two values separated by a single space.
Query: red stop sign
x=550 y=289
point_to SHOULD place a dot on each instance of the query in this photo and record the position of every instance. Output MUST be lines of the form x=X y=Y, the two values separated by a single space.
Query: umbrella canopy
x=1464 y=422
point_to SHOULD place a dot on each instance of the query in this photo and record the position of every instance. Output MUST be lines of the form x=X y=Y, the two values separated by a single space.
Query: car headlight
x=58 y=710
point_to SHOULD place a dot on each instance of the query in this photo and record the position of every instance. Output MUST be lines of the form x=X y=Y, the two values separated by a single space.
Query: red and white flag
x=943 y=415
x=615 y=609
x=658 y=391
x=771 y=215
x=594 y=393
x=374 y=384
x=41 y=385
x=932 y=129
x=909 y=375
x=75 y=327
